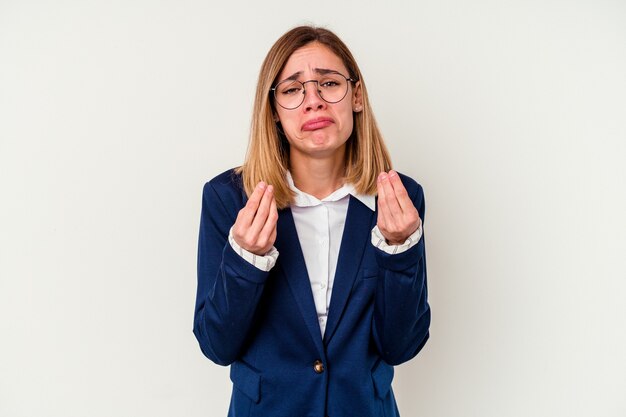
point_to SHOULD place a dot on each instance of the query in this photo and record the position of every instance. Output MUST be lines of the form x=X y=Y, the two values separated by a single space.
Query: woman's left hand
x=397 y=216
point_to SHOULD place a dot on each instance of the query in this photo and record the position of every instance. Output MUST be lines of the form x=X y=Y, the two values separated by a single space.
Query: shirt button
x=322 y=285
x=318 y=366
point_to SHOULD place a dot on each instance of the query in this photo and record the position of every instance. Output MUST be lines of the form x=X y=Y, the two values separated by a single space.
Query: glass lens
x=289 y=93
x=333 y=87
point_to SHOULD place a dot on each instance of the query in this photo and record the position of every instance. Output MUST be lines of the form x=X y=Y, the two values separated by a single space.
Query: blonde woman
x=311 y=262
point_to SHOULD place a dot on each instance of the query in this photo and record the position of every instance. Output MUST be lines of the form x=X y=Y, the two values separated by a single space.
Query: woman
x=309 y=286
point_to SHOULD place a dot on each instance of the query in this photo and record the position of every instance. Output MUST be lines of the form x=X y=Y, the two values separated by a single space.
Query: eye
x=290 y=91
x=289 y=88
x=330 y=83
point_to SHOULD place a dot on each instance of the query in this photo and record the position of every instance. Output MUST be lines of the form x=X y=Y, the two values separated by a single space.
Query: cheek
x=290 y=128
x=347 y=124
x=287 y=123
x=286 y=117
x=351 y=122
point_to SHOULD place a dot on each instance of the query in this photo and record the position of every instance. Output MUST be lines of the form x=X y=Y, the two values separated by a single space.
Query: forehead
x=310 y=57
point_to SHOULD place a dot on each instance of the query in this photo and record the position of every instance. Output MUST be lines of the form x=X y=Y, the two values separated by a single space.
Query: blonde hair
x=267 y=158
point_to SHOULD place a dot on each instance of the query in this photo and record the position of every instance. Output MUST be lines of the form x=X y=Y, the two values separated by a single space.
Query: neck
x=318 y=177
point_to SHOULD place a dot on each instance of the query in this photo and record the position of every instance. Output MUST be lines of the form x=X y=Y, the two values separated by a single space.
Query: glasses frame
x=319 y=93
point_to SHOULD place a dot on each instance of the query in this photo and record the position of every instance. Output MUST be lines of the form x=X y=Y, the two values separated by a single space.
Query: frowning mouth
x=317 y=123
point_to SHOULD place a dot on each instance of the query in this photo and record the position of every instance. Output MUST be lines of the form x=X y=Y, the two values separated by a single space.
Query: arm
x=401 y=310
x=229 y=287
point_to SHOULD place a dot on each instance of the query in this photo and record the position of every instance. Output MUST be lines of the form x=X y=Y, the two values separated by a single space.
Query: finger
x=400 y=191
x=395 y=211
x=270 y=224
x=256 y=196
x=409 y=211
x=274 y=211
x=252 y=205
x=261 y=214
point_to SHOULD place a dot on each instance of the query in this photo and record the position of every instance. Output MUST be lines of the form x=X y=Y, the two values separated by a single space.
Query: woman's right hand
x=255 y=227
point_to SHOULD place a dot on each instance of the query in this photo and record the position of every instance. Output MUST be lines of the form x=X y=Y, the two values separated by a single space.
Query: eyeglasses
x=331 y=87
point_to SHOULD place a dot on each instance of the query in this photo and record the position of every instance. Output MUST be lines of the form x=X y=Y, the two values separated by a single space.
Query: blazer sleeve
x=229 y=287
x=401 y=311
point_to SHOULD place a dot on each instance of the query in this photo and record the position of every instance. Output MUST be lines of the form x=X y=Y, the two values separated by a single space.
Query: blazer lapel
x=356 y=234
x=292 y=263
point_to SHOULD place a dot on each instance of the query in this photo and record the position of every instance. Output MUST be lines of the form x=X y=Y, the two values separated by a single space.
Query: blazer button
x=318 y=366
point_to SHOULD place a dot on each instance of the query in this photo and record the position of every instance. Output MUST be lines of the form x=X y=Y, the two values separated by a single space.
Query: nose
x=312 y=99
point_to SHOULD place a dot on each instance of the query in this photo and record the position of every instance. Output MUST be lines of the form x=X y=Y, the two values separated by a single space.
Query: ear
x=357 y=97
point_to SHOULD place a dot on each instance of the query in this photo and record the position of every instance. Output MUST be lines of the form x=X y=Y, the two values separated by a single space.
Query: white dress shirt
x=319 y=224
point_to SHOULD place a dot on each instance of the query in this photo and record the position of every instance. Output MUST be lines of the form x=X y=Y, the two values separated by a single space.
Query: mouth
x=317 y=123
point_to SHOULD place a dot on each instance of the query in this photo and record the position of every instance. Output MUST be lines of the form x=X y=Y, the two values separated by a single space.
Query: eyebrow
x=321 y=71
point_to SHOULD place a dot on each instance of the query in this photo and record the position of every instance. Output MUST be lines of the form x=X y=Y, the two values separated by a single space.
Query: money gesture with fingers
x=397 y=216
x=255 y=227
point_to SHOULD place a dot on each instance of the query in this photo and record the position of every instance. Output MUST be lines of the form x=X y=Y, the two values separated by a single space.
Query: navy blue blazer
x=264 y=324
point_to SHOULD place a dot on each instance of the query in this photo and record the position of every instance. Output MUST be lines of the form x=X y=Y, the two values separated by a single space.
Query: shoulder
x=226 y=187
x=228 y=179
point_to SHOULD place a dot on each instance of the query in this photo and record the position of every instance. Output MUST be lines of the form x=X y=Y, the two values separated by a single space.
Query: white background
x=511 y=114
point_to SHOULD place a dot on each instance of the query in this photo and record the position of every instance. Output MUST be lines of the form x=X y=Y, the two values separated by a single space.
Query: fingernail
x=261 y=185
x=382 y=176
x=270 y=188
x=392 y=174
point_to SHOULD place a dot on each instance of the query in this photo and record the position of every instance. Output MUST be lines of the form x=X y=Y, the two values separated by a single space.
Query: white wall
x=512 y=115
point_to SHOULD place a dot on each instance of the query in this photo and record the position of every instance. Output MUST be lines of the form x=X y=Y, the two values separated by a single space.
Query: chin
x=324 y=137
x=321 y=141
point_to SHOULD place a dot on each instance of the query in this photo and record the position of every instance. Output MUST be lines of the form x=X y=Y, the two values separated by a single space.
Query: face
x=317 y=129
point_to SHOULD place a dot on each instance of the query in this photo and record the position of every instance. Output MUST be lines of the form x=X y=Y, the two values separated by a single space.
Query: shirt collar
x=303 y=199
